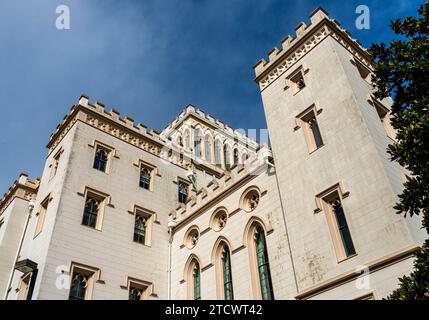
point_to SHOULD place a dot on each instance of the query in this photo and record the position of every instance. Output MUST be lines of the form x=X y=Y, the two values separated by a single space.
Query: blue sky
x=148 y=59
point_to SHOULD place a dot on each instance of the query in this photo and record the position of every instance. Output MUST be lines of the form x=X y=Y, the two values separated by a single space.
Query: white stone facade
x=250 y=197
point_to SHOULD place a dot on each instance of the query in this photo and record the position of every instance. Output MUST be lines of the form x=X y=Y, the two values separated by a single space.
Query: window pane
x=90 y=214
x=316 y=132
x=78 y=288
x=100 y=160
x=208 y=149
x=343 y=228
x=140 y=229
x=227 y=277
x=145 y=178
x=263 y=266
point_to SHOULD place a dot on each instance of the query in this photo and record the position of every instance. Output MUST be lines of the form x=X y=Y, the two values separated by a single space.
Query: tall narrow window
x=236 y=157
x=100 y=160
x=384 y=115
x=218 y=153
x=91 y=212
x=227 y=157
x=196 y=275
x=208 y=149
x=343 y=228
x=78 y=287
x=140 y=229
x=143 y=222
x=183 y=192
x=263 y=265
x=227 y=277
x=314 y=127
x=41 y=215
x=187 y=139
x=197 y=143
x=145 y=178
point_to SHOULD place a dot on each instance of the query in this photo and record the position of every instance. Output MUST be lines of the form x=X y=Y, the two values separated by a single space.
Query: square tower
x=329 y=136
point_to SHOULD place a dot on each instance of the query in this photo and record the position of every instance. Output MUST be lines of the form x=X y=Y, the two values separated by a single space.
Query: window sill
x=347 y=258
x=311 y=152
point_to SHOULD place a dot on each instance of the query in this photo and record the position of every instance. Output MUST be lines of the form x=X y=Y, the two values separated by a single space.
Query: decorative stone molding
x=23 y=188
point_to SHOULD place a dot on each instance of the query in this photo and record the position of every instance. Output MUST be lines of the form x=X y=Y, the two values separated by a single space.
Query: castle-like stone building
x=201 y=211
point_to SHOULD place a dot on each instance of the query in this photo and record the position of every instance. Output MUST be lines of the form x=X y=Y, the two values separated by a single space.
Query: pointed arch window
x=140 y=229
x=218 y=153
x=100 y=160
x=227 y=157
x=91 y=212
x=197 y=143
x=196 y=276
x=236 y=157
x=208 y=148
x=343 y=228
x=263 y=265
x=227 y=276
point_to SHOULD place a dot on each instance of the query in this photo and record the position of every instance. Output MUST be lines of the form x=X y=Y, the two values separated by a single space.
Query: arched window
x=236 y=157
x=226 y=271
x=227 y=157
x=263 y=264
x=208 y=148
x=140 y=229
x=145 y=178
x=244 y=157
x=218 y=153
x=78 y=287
x=197 y=143
x=196 y=278
x=183 y=192
x=100 y=160
x=187 y=139
x=91 y=212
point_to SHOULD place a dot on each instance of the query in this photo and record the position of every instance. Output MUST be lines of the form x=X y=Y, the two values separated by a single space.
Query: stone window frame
x=41 y=215
x=104 y=200
x=111 y=154
x=151 y=218
x=55 y=163
x=180 y=180
x=323 y=203
x=302 y=121
x=153 y=170
x=292 y=79
x=383 y=114
x=93 y=275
